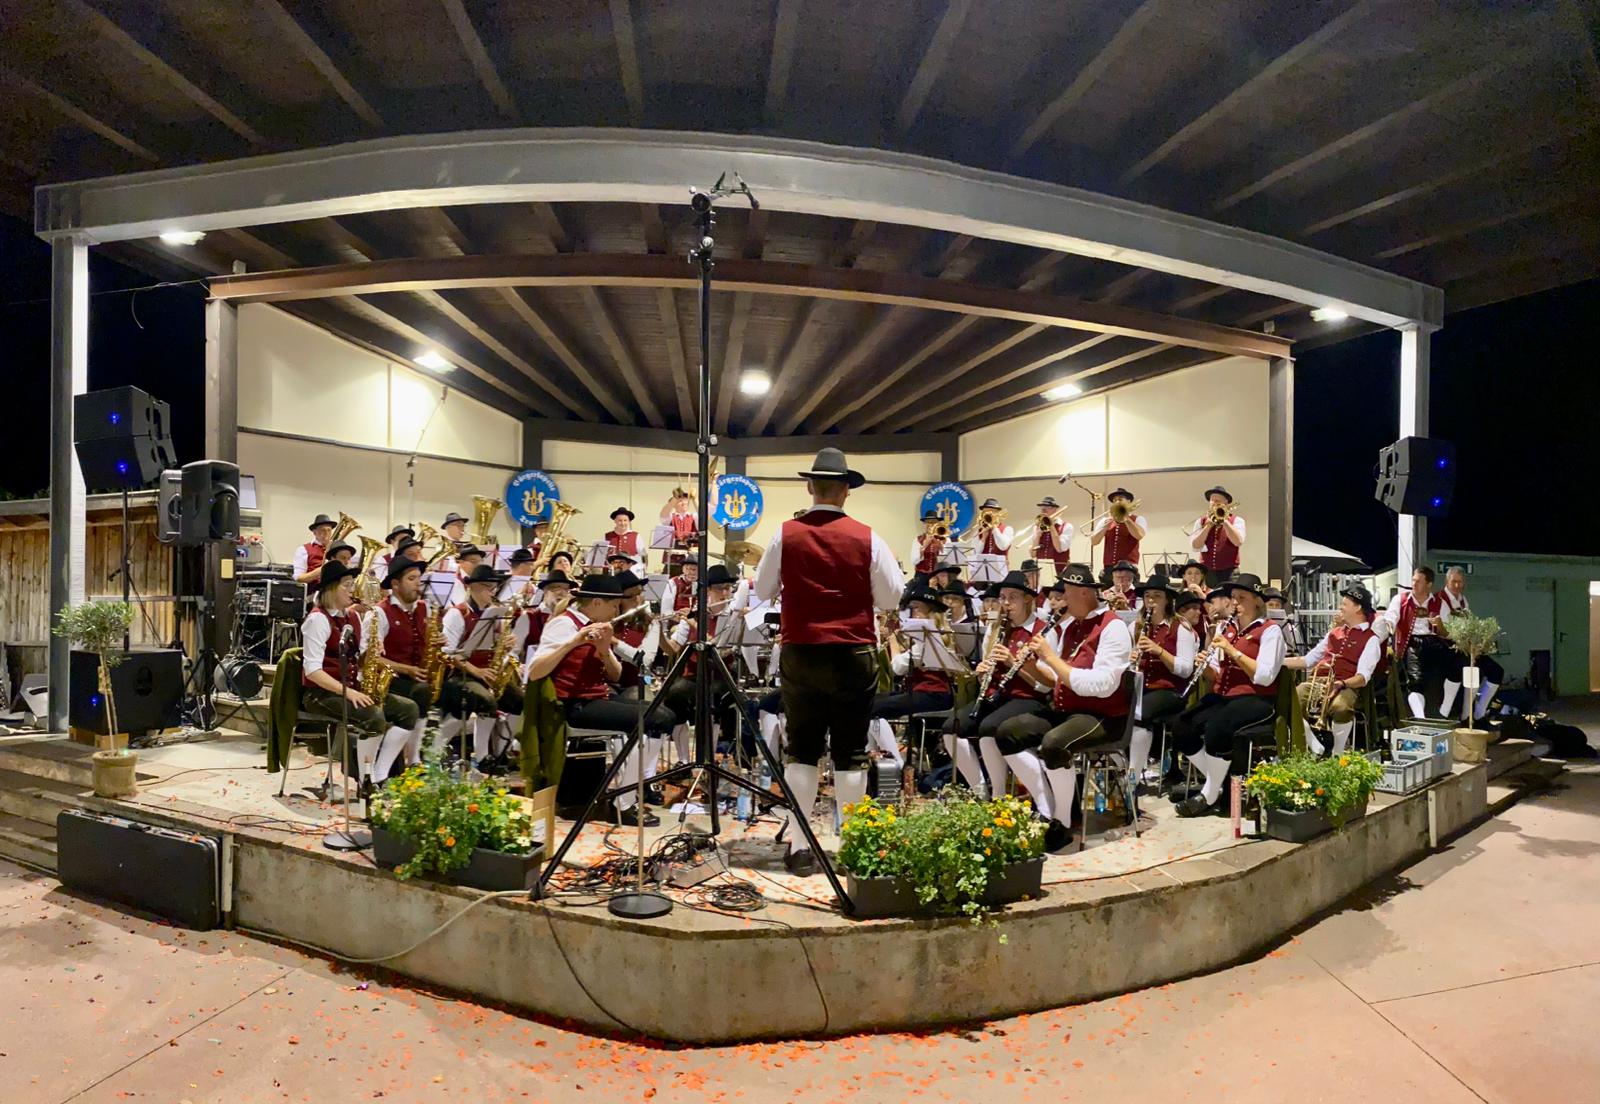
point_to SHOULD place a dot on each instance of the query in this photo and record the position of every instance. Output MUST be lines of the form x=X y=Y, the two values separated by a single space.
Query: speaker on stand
x=1417 y=476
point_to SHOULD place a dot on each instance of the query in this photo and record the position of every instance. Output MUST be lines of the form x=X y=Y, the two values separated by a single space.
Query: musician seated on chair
x=402 y=623
x=329 y=629
x=1243 y=665
x=468 y=692
x=1088 y=702
x=1167 y=645
x=924 y=689
x=1422 y=648
x=1348 y=655
x=1012 y=690
x=718 y=592
x=577 y=654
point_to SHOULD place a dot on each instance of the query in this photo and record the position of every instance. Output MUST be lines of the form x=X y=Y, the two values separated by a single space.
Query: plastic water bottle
x=744 y=805
x=1100 y=800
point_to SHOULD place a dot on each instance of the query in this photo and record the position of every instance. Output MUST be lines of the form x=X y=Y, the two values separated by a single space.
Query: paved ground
x=1471 y=976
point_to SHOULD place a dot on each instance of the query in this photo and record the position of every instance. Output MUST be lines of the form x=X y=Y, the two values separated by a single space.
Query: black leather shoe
x=493 y=767
x=802 y=864
x=1198 y=806
x=630 y=817
x=654 y=796
x=1057 y=837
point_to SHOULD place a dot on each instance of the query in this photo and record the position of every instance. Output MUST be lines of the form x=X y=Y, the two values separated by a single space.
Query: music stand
x=662 y=537
x=988 y=568
x=438 y=586
x=595 y=556
x=482 y=638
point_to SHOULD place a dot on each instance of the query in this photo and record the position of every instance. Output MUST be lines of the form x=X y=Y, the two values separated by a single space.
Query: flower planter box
x=875 y=898
x=491 y=870
x=1299 y=825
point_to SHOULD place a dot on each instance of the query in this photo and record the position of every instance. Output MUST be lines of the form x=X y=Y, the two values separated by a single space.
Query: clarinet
x=1024 y=655
x=1202 y=660
x=1001 y=629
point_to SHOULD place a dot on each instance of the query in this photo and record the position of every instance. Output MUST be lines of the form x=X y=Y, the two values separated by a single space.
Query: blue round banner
x=528 y=497
x=952 y=502
x=736 y=502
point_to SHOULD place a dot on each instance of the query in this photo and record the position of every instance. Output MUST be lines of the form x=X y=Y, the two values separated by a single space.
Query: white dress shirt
x=302 y=559
x=1389 y=622
x=1063 y=540
x=557 y=633
x=888 y=582
x=1104 y=520
x=1269 y=660
x=1366 y=663
x=1188 y=647
x=315 y=632
x=1113 y=653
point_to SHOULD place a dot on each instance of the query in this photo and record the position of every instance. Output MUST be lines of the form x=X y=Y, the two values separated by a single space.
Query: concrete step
x=36 y=798
x=24 y=841
x=58 y=760
x=252 y=719
x=1528 y=777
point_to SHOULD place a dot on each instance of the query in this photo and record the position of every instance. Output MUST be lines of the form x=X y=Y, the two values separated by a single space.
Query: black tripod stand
x=703 y=762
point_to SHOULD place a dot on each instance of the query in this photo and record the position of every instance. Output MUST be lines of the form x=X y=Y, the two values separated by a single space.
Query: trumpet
x=1319 y=695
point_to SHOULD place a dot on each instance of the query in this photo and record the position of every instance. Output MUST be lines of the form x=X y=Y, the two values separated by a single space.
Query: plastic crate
x=1404 y=775
x=1419 y=741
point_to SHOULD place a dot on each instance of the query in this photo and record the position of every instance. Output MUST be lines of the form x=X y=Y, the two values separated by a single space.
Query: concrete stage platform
x=1128 y=913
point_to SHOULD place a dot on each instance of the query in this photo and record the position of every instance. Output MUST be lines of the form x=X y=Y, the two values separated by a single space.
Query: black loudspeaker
x=122 y=437
x=169 y=506
x=1417 y=475
x=210 y=510
x=146 y=691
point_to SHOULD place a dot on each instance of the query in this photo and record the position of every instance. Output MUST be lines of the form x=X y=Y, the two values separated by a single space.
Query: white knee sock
x=967 y=765
x=366 y=750
x=1030 y=772
x=482 y=729
x=849 y=787
x=1313 y=744
x=414 y=742
x=1417 y=704
x=1063 y=792
x=1215 y=770
x=1446 y=703
x=393 y=742
x=1341 y=735
x=683 y=742
x=802 y=781
x=994 y=765
x=645 y=756
x=772 y=733
x=1139 y=750
x=449 y=729
x=883 y=736
x=1485 y=696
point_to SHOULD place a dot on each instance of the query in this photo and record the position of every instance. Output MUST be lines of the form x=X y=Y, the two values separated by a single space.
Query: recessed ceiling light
x=1328 y=314
x=432 y=361
x=755 y=383
x=182 y=237
x=1064 y=390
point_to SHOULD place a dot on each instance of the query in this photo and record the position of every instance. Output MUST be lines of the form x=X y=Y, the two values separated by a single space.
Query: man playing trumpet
x=1119 y=529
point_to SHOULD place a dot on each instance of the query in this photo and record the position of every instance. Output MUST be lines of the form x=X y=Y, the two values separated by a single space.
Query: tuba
x=555 y=537
x=373 y=677
x=1319 y=696
x=346 y=526
x=367 y=591
x=484 y=511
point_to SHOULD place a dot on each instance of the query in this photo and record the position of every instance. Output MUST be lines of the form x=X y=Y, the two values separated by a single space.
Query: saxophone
x=505 y=667
x=434 y=662
x=373 y=676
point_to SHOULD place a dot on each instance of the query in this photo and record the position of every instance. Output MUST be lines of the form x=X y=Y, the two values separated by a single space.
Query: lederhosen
x=1078 y=644
x=1234 y=702
x=463 y=695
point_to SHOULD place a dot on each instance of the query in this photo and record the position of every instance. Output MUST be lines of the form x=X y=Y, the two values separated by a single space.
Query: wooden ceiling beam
x=71 y=111
x=932 y=63
x=1469 y=227
x=1526 y=277
x=655 y=241
x=931 y=383
x=472 y=45
x=593 y=270
x=110 y=30
x=1085 y=79
x=313 y=52
x=844 y=361
x=628 y=59
x=785 y=32
x=622 y=355
x=1037 y=387
x=1251 y=87
x=727 y=377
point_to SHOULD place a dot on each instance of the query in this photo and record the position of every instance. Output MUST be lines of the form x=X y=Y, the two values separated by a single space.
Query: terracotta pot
x=1469 y=745
x=114 y=773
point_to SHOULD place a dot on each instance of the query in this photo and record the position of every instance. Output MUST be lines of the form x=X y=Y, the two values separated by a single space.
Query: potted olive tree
x=99 y=627
x=1473 y=636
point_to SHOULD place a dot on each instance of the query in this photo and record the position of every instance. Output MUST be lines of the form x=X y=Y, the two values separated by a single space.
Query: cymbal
x=747 y=551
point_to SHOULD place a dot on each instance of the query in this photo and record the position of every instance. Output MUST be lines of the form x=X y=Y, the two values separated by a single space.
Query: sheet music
x=482 y=636
x=661 y=536
x=935 y=655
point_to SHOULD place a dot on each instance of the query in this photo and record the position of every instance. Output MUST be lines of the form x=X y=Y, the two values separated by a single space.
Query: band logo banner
x=529 y=495
x=952 y=502
x=736 y=502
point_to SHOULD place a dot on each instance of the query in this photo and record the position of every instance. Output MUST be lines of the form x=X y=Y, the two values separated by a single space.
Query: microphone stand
x=346 y=838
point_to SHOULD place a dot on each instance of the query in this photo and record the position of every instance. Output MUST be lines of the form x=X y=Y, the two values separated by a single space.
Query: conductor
x=832 y=572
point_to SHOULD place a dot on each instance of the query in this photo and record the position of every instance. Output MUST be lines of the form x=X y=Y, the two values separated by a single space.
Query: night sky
x=1515 y=387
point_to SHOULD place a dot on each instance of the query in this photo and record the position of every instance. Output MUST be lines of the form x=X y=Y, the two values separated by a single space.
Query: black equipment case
x=168 y=872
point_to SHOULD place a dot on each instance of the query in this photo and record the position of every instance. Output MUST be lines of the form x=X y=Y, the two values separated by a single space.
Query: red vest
x=826 y=580
x=990 y=548
x=1408 y=618
x=580 y=676
x=1345 y=646
x=624 y=542
x=481 y=657
x=927 y=680
x=683 y=526
x=694 y=634
x=1078 y=643
x=315 y=554
x=1157 y=676
x=537 y=618
x=1220 y=554
x=1048 y=547
x=1019 y=687
x=330 y=654
x=402 y=642
x=1233 y=682
x=1119 y=545
x=930 y=549
x=682 y=594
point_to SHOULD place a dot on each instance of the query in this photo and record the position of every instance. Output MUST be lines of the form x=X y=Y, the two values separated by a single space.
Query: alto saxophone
x=434 y=661
x=373 y=676
x=504 y=664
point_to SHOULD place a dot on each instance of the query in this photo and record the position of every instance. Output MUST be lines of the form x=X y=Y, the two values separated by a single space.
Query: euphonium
x=484 y=510
x=374 y=677
x=346 y=526
x=555 y=537
x=1319 y=695
x=367 y=591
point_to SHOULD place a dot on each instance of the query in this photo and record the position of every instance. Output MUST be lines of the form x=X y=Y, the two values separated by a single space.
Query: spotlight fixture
x=755 y=383
x=432 y=361
x=1066 y=389
x=182 y=237
x=1328 y=314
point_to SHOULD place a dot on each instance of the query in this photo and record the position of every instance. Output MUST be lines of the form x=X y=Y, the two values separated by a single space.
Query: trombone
x=1120 y=510
x=1214 y=516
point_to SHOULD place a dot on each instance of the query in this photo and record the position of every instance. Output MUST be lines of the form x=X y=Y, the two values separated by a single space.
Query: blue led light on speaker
x=1443 y=462
x=115 y=417
x=94 y=700
x=122 y=467
x=1438 y=502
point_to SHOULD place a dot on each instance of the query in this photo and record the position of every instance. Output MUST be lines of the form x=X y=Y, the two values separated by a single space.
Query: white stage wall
x=1212 y=417
x=295 y=378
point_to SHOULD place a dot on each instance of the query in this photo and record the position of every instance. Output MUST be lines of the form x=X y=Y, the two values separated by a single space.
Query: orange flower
x=1321 y=791
x=882 y=853
x=473 y=807
x=988 y=832
x=450 y=841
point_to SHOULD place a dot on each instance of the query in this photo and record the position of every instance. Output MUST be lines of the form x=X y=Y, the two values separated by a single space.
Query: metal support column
x=1415 y=342
x=950 y=459
x=69 y=376
x=221 y=443
x=532 y=458
x=1280 y=469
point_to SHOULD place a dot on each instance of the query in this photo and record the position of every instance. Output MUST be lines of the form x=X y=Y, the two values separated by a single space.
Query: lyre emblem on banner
x=533 y=502
x=734 y=504
x=947 y=511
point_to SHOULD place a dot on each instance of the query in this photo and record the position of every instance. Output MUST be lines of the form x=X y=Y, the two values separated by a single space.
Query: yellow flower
x=986 y=851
